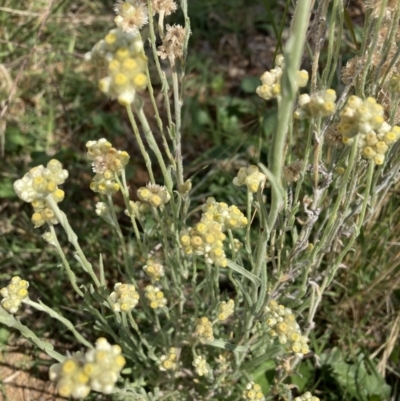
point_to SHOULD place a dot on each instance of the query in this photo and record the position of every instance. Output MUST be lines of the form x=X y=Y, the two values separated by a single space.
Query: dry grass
x=18 y=383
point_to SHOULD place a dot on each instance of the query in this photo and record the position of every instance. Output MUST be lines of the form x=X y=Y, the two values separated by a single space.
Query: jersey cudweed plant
x=208 y=292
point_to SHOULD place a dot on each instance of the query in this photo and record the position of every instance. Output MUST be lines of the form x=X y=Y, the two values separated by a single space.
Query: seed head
x=292 y=171
x=164 y=6
x=132 y=15
x=172 y=47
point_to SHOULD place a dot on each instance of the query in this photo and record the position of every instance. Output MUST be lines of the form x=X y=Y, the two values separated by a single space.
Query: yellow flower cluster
x=226 y=309
x=126 y=65
x=126 y=75
x=201 y=367
x=250 y=176
x=39 y=183
x=237 y=245
x=360 y=117
x=154 y=268
x=229 y=217
x=204 y=330
x=103 y=365
x=43 y=214
x=307 y=396
x=317 y=105
x=366 y=119
x=72 y=381
x=271 y=80
x=96 y=370
x=124 y=297
x=104 y=50
x=107 y=163
x=281 y=323
x=253 y=392
x=205 y=239
x=14 y=294
x=168 y=362
x=154 y=195
x=155 y=297
x=137 y=209
x=375 y=144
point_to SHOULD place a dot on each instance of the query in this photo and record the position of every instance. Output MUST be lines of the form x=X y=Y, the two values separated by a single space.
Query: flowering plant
x=208 y=292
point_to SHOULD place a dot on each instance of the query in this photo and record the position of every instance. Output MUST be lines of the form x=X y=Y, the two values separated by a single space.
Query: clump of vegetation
x=200 y=295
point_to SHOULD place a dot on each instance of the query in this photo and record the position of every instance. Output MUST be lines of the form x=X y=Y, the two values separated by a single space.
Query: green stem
x=319 y=42
x=331 y=42
x=154 y=147
x=332 y=271
x=372 y=47
x=178 y=135
x=143 y=150
x=339 y=199
x=52 y=313
x=72 y=238
x=127 y=259
x=338 y=44
x=293 y=53
x=248 y=228
x=125 y=194
x=161 y=73
x=142 y=338
x=70 y=273
x=10 y=321
x=158 y=119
